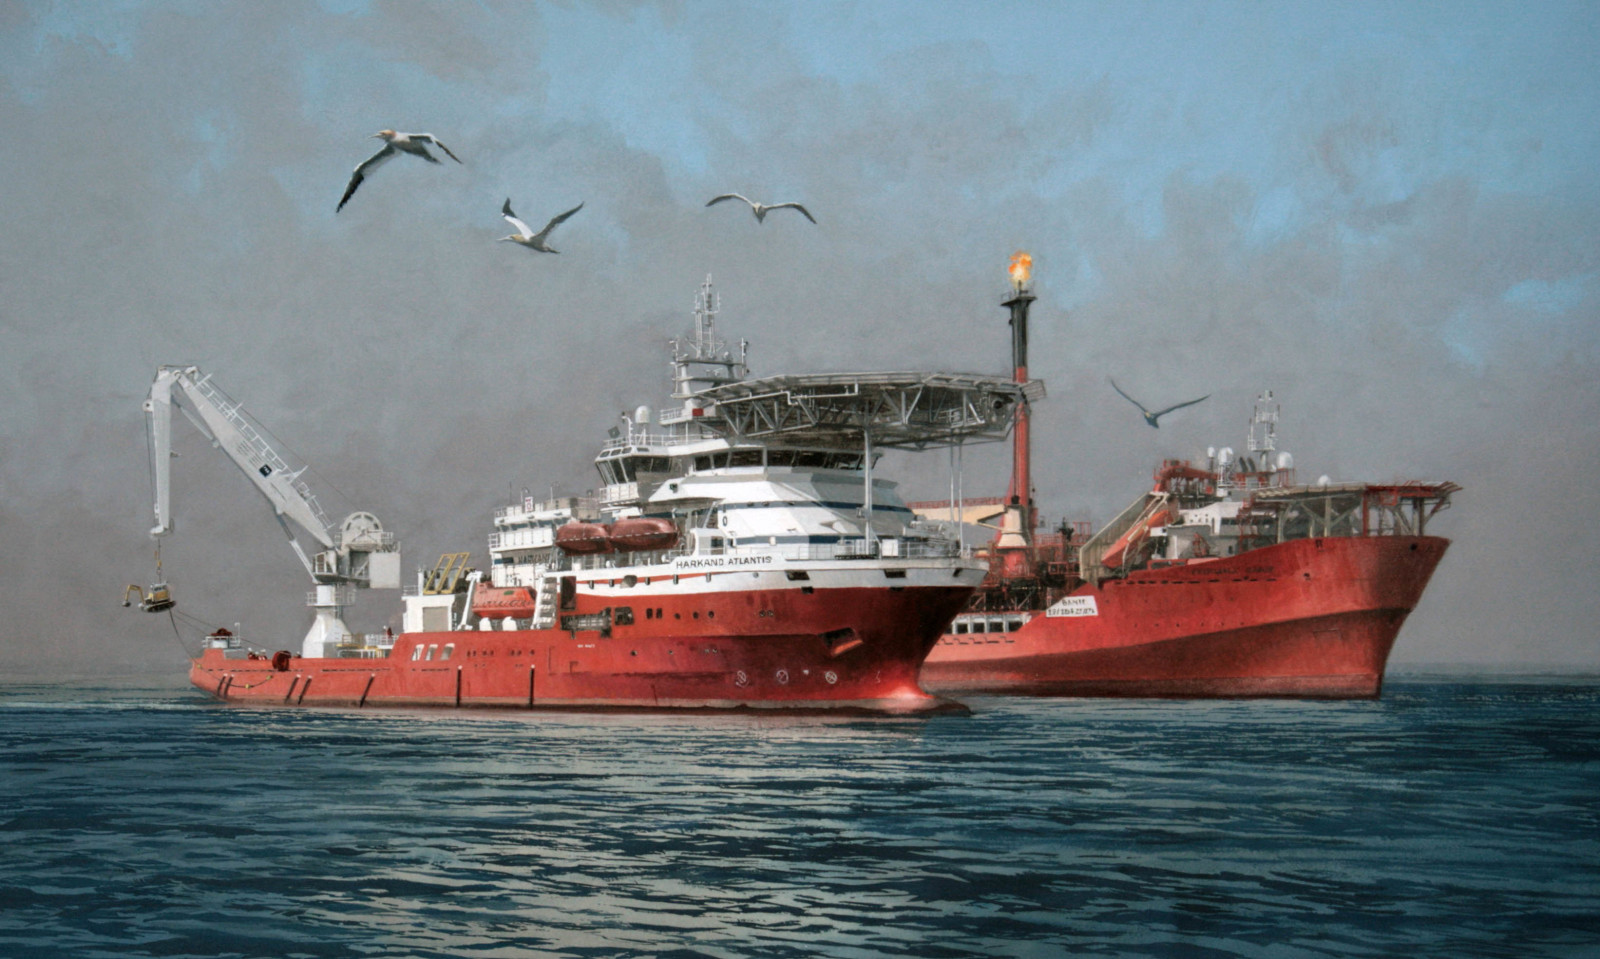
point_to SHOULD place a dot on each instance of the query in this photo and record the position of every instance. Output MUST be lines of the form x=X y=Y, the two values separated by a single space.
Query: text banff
x=1074 y=606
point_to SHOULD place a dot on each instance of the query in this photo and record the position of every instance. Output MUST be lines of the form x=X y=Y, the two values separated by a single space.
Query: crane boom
x=357 y=553
x=222 y=420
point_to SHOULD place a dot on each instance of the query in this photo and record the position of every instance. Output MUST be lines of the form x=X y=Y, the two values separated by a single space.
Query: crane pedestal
x=328 y=630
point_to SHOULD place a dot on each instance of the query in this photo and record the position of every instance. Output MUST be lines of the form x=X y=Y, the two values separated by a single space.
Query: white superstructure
x=766 y=479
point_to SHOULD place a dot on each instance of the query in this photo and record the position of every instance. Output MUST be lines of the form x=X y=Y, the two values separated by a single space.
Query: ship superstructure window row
x=837 y=505
x=626 y=469
x=1009 y=625
x=803 y=459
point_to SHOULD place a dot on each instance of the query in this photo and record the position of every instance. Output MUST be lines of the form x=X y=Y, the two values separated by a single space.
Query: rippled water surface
x=1448 y=819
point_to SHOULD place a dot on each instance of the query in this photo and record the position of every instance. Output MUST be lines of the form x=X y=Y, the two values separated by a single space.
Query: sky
x=1387 y=214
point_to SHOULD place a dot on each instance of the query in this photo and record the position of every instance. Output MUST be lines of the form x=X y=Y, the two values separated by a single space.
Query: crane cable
x=172 y=615
x=173 y=618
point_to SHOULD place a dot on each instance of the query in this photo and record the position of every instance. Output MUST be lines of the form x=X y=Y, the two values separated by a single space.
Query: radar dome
x=641 y=415
x=1285 y=460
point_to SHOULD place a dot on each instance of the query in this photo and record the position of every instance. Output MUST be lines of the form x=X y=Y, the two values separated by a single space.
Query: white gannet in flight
x=411 y=143
x=528 y=238
x=1150 y=417
x=762 y=209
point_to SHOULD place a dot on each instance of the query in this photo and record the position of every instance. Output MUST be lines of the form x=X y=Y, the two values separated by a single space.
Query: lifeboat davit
x=515 y=602
x=1129 y=542
x=640 y=533
x=578 y=537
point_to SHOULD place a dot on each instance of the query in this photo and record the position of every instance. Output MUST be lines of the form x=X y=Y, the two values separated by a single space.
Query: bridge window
x=449 y=650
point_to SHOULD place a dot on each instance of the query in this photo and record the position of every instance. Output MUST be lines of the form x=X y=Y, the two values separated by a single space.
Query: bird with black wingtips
x=526 y=236
x=394 y=143
x=1150 y=417
x=762 y=209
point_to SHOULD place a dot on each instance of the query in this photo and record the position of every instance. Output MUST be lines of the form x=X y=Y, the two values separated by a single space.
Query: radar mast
x=705 y=361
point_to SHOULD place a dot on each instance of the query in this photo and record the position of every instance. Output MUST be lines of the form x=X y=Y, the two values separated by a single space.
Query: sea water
x=1449 y=818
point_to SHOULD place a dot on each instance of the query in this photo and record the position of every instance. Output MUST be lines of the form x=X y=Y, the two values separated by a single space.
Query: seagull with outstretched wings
x=393 y=145
x=526 y=236
x=1150 y=417
x=762 y=209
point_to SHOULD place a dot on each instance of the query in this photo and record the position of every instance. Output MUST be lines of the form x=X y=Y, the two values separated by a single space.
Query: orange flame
x=1021 y=268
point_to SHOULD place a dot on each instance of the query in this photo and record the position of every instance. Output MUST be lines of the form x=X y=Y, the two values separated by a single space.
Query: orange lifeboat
x=1129 y=542
x=576 y=537
x=640 y=533
x=1178 y=475
x=514 y=602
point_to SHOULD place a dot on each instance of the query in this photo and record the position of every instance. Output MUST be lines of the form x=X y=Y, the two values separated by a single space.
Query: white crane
x=356 y=554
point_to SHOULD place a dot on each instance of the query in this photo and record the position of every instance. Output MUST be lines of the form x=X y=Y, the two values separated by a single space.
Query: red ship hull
x=1312 y=618
x=860 y=649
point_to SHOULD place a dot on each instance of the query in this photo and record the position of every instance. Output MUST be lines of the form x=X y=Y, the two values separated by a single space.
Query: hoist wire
x=172 y=617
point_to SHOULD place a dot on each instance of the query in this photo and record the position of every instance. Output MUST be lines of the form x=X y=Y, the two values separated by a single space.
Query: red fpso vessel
x=1224 y=580
x=740 y=552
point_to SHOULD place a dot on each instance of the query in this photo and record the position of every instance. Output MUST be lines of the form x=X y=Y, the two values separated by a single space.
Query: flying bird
x=412 y=143
x=1150 y=417
x=762 y=209
x=528 y=238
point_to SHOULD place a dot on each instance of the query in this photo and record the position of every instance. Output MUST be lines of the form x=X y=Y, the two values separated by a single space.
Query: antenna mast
x=1263 y=436
x=705 y=361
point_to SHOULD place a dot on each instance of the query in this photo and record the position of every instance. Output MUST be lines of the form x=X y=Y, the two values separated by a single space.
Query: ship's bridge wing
x=909 y=411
